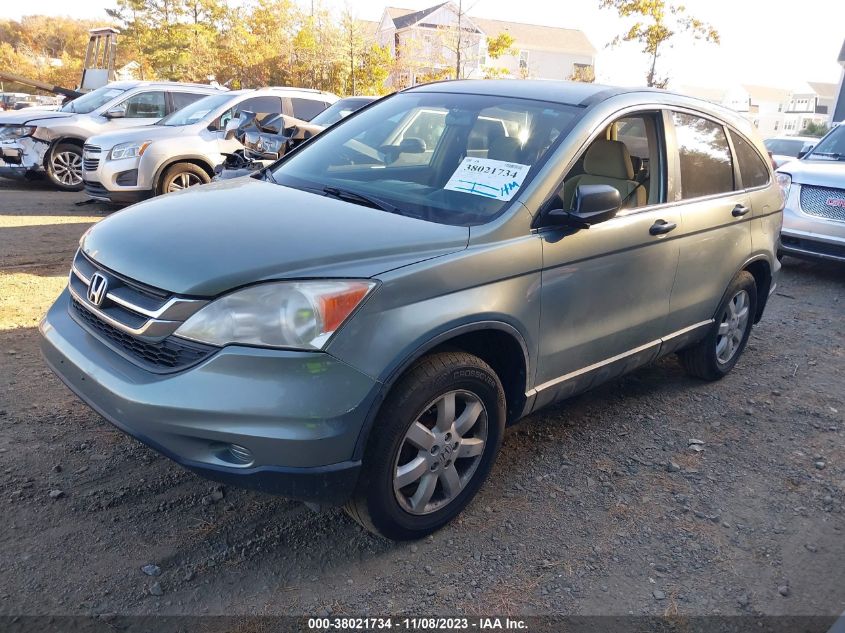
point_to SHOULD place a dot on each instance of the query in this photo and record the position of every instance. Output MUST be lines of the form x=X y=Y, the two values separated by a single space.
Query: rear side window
x=146 y=105
x=705 y=157
x=181 y=99
x=752 y=169
x=260 y=105
x=306 y=109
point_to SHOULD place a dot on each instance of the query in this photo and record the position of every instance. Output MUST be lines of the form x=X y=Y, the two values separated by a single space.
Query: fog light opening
x=235 y=454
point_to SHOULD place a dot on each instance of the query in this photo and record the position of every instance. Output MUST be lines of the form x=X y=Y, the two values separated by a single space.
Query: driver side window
x=145 y=105
x=628 y=156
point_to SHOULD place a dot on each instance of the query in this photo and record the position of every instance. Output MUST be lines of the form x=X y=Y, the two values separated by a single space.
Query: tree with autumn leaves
x=656 y=25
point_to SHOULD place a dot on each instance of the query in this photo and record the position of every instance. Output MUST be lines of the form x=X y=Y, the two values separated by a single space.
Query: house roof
x=530 y=36
x=822 y=89
x=538 y=37
x=369 y=27
x=409 y=19
x=766 y=93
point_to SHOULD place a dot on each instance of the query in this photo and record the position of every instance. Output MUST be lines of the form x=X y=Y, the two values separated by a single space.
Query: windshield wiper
x=359 y=198
x=833 y=155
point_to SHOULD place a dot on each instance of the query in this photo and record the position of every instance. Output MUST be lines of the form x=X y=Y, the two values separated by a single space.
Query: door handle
x=740 y=210
x=661 y=227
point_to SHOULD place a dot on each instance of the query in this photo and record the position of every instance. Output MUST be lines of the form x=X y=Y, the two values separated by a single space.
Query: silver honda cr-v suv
x=358 y=323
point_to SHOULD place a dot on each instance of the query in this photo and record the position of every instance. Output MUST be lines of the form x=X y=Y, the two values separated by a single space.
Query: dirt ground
x=596 y=506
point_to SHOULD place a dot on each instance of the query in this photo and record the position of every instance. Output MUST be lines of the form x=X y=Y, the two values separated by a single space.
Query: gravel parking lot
x=602 y=505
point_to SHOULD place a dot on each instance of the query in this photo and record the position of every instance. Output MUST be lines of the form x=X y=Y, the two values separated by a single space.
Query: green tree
x=814 y=129
x=657 y=25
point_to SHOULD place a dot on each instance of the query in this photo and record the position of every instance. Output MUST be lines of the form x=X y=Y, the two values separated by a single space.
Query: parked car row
x=177 y=139
x=357 y=323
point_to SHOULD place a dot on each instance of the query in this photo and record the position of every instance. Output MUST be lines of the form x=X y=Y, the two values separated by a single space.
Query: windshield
x=784 y=147
x=448 y=158
x=93 y=100
x=340 y=110
x=195 y=111
x=832 y=146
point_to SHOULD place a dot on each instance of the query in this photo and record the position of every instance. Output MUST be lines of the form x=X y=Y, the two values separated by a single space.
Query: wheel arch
x=73 y=140
x=499 y=344
x=761 y=270
x=195 y=159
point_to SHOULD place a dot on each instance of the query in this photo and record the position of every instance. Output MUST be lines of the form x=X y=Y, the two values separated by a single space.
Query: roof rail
x=291 y=88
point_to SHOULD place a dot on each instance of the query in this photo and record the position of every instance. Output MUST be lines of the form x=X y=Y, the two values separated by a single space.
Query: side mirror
x=592 y=204
x=803 y=153
x=116 y=113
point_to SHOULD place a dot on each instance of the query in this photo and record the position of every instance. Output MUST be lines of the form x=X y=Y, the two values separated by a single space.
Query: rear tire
x=182 y=176
x=64 y=167
x=717 y=353
x=438 y=433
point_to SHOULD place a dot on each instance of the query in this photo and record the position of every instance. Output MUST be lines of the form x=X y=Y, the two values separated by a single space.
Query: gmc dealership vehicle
x=358 y=322
x=182 y=149
x=33 y=141
x=814 y=217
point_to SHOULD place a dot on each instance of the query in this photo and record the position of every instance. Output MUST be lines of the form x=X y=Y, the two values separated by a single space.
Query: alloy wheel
x=183 y=181
x=732 y=327
x=440 y=452
x=67 y=168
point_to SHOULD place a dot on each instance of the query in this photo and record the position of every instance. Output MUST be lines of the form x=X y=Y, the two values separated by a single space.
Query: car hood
x=210 y=239
x=825 y=173
x=142 y=133
x=22 y=117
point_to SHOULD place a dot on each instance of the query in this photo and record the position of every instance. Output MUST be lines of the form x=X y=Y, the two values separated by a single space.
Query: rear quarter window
x=753 y=171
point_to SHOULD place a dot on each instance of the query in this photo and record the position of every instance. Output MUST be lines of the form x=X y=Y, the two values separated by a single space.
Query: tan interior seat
x=506 y=148
x=607 y=163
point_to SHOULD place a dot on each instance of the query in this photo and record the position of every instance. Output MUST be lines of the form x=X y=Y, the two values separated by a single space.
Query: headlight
x=297 y=314
x=784 y=182
x=129 y=150
x=11 y=132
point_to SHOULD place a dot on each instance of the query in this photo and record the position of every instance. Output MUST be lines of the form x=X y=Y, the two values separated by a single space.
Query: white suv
x=33 y=141
x=183 y=148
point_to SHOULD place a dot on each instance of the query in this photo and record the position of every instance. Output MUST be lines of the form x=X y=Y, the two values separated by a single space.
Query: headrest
x=637 y=164
x=609 y=159
x=506 y=148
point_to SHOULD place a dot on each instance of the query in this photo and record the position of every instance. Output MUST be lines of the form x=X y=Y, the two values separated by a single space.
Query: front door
x=606 y=289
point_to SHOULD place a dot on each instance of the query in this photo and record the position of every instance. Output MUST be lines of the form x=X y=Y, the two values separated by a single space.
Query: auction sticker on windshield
x=487 y=177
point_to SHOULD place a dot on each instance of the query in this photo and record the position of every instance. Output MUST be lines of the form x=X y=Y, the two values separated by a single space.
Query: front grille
x=136 y=320
x=90 y=157
x=171 y=354
x=823 y=202
x=96 y=189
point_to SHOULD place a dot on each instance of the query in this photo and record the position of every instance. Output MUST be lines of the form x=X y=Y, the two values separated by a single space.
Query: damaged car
x=42 y=141
x=184 y=148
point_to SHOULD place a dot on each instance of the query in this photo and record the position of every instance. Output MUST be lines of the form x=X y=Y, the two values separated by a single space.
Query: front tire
x=64 y=167
x=714 y=356
x=433 y=444
x=182 y=176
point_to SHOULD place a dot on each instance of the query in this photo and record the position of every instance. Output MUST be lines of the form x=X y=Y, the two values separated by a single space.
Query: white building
x=425 y=45
x=812 y=102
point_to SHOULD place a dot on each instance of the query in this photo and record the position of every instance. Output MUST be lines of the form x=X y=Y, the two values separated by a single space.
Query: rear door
x=306 y=109
x=715 y=236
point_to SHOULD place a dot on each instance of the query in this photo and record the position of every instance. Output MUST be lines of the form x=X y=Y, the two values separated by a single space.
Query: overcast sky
x=769 y=42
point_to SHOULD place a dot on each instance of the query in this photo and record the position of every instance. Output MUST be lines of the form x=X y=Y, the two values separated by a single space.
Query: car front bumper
x=298 y=414
x=21 y=156
x=810 y=236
